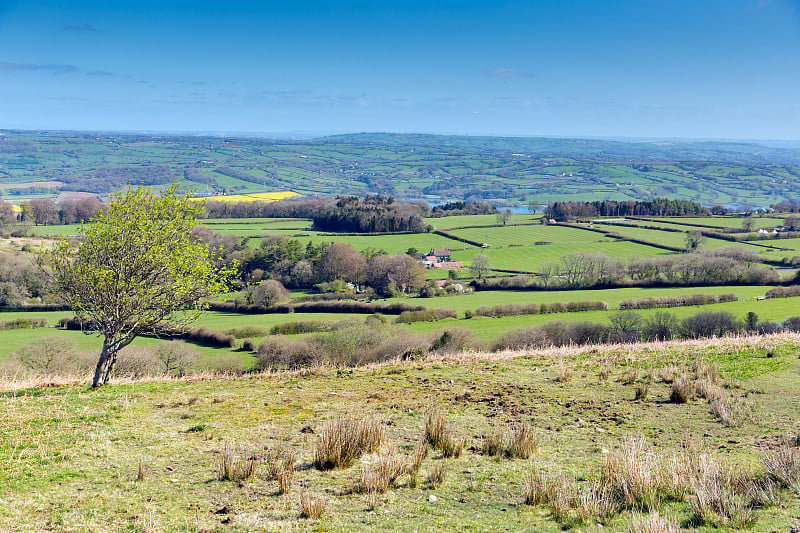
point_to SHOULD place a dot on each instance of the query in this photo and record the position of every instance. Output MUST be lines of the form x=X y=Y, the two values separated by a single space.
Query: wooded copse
x=663 y=207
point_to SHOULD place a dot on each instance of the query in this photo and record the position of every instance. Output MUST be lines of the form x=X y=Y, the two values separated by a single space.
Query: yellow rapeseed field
x=252 y=197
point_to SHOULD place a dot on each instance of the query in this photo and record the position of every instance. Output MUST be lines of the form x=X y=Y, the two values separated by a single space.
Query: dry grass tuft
x=596 y=502
x=667 y=374
x=630 y=376
x=605 y=372
x=539 y=488
x=311 y=506
x=280 y=467
x=641 y=391
x=706 y=371
x=344 y=440
x=494 y=444
x=733 y=411
x=436 y=474
x=523 y=443
x=681 y=390
x=652 y=522
x=440 y=437
x=633 y=475
x=231 y=468
x=718 y=503
x=379 y=476
x=565 y=372
x=782 y=465
x=139 y=472
x=419 y=455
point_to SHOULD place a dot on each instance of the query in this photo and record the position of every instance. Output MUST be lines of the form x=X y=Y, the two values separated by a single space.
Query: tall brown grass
x=344 y=440
x=440 y=436
x=232 y=468
x=311 y=506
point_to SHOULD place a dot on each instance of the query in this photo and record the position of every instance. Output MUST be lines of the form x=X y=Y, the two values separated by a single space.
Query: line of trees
x=45 y=211
x=344 y=214
x=663 y=207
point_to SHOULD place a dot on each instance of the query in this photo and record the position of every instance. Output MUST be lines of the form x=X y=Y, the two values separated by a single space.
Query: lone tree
x=138 y=270
x=694 y=239
x=481 y=266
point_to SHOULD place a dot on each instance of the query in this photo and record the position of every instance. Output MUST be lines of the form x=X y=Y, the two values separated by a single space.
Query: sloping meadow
x=592 y=438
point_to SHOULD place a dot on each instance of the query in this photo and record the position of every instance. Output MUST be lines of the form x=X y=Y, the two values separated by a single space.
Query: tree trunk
x=105 y=365
x=102 y=363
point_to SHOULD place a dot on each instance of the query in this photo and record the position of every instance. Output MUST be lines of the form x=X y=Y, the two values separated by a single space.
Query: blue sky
x=669 y=68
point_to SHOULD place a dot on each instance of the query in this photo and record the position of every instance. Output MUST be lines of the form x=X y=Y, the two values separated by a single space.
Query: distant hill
x=503 y=170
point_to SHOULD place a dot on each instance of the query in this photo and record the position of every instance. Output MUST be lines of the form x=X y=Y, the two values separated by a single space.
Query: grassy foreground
x=144 y=456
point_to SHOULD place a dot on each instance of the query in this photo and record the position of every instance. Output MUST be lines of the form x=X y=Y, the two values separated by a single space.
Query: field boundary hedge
x=784 y=292
x=24 y=323
x=343 y=306
x=660 y=302
x=537 y=308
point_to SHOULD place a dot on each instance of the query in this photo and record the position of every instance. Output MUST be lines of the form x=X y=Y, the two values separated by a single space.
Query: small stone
x=432 y=498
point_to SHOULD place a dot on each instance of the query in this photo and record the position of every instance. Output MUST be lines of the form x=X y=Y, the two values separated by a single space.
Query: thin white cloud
x=31 y=67
x=80 y=27
x=506 y=73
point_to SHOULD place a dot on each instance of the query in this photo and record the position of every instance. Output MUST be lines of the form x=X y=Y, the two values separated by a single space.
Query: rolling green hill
x=506 y=171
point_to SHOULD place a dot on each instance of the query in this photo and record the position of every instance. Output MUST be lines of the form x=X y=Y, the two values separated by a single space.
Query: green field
x=611 y=296
x=489 y=329
x=530 y=258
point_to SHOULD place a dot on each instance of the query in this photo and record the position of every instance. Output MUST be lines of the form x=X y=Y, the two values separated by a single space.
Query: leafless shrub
x=311 y=506
x=436 y=474
x=137 y=362
x=344 y=440
x=177 y=358
x=232 y=468
x=652 y=522
x=49 y=356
